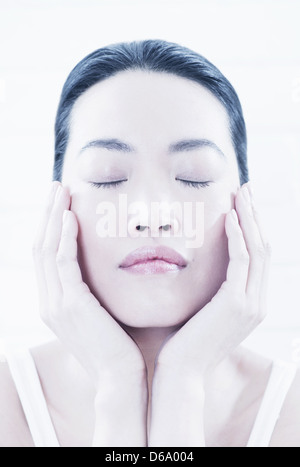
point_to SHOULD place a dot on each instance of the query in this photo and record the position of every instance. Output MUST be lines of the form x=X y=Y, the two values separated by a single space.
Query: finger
x=39 y=241
x=256 y=215
x=75 y=291
x=41 y=231
x=247 y=221
x=253 y=240
x=67 y=264
x=51 y=243
x=263 y=286
x=265 y=280
x=238 y=267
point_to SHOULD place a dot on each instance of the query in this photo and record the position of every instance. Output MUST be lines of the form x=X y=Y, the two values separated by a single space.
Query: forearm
x=177 y=410
x=121 y=414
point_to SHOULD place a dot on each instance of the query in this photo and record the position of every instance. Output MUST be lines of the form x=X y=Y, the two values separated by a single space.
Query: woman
x=149 y=326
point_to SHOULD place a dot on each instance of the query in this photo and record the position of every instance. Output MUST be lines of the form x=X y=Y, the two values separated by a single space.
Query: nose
x=155 y=213
x=155 y=225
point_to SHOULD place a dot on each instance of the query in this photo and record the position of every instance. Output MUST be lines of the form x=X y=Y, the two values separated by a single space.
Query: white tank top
x=28 y=385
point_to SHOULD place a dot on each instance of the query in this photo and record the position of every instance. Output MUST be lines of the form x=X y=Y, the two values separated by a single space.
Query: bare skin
x=70 y=399
x=135 y=368
x=240 y=380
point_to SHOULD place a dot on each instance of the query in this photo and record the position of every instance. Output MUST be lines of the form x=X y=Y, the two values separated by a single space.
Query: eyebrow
x=113 y=144
x=193 y=144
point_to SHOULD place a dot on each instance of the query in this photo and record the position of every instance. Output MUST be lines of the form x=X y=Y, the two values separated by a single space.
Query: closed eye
x=108 y=184
x=119 y=182
x=194 y=184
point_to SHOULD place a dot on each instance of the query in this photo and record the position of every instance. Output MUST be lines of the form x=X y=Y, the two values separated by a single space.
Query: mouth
x=153 y=260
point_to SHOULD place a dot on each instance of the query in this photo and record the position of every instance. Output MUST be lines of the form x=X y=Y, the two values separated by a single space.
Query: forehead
x=142 y=105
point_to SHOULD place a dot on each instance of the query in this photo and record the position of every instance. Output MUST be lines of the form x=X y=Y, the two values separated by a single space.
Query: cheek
x=215 y=238
x=209 y=267
x=95 y=253
x=216 y=249
x=210 y=262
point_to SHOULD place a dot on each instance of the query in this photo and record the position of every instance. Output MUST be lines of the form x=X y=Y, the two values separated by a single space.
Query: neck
x=149 y=341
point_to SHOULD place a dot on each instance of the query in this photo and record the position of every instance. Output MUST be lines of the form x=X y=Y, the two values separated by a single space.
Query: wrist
x=186 y=380
x=113 y=384
x=119 y=376
x=177 y=411
x=121 y=411
x=180 y=368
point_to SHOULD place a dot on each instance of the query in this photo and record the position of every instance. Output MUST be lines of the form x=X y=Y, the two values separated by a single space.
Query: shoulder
x=256 y=370
x=287 y=430
x=14 y=431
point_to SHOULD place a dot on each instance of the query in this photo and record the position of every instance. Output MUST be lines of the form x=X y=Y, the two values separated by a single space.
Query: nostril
x=162 y=227
x=166 y=227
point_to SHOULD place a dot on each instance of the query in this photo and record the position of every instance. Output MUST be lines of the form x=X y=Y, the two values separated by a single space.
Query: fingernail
x=65 y=215
x=234 y=215
x=246 y=194
x=53 y=188
x=58 y=192
x=250 y=189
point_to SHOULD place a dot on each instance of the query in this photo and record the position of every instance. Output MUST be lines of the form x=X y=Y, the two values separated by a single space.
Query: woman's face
x=149 y=112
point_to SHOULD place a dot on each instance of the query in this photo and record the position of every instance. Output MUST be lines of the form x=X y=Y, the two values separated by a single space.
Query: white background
x=255 y=43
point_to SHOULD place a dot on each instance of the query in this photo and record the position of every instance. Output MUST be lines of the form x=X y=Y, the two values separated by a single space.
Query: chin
x=150 y=316
x=149 y=322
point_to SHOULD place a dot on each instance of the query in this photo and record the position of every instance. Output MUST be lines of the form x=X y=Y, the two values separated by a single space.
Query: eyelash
x=119 y=182
x=194 y=184
x=107 y=184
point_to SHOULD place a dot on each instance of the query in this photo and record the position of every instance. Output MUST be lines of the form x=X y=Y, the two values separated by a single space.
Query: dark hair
x=153 y=55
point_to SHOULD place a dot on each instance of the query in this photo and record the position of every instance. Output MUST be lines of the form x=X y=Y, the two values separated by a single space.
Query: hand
x=238 y=307
x=68 y=307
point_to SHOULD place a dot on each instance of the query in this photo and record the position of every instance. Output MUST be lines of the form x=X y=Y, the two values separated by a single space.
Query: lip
x=151 y=260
